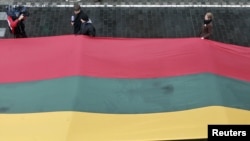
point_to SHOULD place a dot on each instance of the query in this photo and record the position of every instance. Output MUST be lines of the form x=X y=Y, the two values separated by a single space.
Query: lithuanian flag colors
x=77 y=88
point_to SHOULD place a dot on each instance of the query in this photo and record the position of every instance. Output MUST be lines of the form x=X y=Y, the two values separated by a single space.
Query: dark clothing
x=20 y=30
x=87 y=29
x=206 y=30
x=77 y=21
x=16 y=27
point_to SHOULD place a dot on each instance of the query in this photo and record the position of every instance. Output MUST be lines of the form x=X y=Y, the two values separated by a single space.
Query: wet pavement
x=139 y=19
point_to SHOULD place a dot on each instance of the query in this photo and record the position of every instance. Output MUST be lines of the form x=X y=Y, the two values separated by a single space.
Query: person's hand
x=72 y=23
x=20 y=17
x=83 y=21
x=202 y=37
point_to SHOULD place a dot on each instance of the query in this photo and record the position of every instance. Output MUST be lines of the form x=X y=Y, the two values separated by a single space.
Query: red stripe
x=54 y=57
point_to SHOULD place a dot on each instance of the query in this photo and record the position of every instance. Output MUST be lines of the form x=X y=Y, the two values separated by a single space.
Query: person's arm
x=13 y=23
x=72 y=20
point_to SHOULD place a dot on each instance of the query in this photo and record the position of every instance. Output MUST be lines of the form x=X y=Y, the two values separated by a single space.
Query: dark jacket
x=206 y=30
x=77 y=21
x=87 y=29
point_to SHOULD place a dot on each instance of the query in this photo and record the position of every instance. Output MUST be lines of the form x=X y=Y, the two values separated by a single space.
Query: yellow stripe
x=79 y=126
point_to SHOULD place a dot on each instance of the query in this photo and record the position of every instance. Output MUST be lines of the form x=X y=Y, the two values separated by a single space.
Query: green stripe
x=124 y=95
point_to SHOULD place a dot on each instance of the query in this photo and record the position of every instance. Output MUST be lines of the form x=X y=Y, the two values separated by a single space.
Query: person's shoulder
x=84 y=16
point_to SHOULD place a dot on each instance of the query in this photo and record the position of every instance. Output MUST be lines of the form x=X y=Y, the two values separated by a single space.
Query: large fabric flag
x=77 y=88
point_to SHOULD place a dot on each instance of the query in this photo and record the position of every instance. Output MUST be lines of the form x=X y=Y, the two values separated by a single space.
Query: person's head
x=16 y=11
x=84 y=18
x=77 y=8
x=208 y=16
